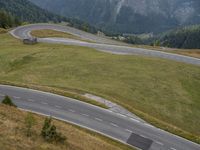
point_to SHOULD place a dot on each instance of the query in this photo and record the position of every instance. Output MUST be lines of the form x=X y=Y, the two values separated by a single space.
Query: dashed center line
x=71 y=110
x=98 y=119
x=114 y=125
x=58 y=106
x=172 y=148
x=16 y=97
x=44 y=103
x=31 y=100
x=159 y=143
x=128 y=130
x=85 y=115
x=143 y=136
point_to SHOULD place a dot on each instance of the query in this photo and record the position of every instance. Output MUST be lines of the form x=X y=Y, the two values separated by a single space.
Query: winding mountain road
x=122 y=128
x=119 y=127
x=101 y=43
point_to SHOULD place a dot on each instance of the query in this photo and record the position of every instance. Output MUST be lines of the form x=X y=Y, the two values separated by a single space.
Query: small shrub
x=29 y=122
x=2 y=30
x=8 y=101
x=50 y=134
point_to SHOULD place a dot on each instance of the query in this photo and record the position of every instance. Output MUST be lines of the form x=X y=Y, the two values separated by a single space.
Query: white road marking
x=16 y=97
x=134 y=120
x=44 y=103
x=143 y=136
x=109 y=110
x=172 y=148
x=148 y=125
x=58 y=106
x=159 y=143
x=85 y=115
x=114 y=125
x=71 y=110
x=128 y=130
x=122 y=115
x=31 y=100
x=98 y=119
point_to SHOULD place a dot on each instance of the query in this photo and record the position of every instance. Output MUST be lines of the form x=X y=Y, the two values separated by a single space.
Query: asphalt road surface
x=124 y=129
x=102 y=44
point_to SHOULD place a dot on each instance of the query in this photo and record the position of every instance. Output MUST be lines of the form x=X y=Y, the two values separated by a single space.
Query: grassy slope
x=13 y=135
x=161 y=91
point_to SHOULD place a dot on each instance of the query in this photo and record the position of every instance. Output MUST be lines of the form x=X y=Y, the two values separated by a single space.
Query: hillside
x=27 y=11
x=187 y=37
x=128 y=16
x=168 y=99
x=13 y=134
x=7 y=20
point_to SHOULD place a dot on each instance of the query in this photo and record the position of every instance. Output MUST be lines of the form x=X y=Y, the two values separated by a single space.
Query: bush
x=29 y=122
x=8 y=101
x=50 y=134
x=2 y=30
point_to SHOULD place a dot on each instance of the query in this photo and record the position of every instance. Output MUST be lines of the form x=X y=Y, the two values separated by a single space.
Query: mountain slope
x=7 y=21
x=26 y=11
x=187 y=37
x=133 y=16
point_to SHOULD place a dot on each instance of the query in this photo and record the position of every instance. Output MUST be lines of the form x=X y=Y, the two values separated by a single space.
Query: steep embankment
x=13 y=134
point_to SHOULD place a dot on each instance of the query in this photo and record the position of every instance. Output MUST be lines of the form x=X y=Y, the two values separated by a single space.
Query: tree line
x=7 y=20
x=184 y=37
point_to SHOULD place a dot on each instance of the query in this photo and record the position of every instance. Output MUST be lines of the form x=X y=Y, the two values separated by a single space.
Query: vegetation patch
x=8 y=101
x=192 y=53
x=14 y=125
x=163 y=92
x=2 y=30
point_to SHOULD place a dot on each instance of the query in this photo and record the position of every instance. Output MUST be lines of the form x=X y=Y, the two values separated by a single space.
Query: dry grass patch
x=192 y=53
x=13 y=135
x=2 y=30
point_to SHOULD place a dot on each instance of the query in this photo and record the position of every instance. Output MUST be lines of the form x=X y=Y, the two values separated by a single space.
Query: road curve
x=124 y=129
x=102 y=44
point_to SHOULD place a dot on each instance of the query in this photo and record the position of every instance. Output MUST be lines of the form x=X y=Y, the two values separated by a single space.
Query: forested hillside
x=187 y=37
x=7 y=21
x=26 y=11
x=128 y=16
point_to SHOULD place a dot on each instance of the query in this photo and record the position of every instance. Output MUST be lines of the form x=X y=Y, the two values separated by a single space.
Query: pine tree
x=8 y=101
